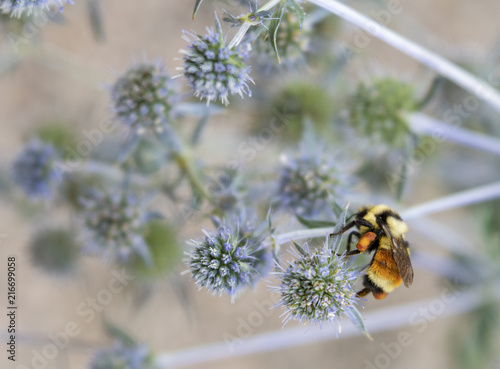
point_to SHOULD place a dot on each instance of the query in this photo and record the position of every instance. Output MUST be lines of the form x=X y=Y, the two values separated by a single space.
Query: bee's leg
x=364 y=223
x=365 y=291
x=350 y=253
x=349 y=240
x=345 y=229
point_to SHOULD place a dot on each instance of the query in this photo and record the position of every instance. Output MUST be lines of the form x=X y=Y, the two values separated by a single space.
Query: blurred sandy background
x=66 y=84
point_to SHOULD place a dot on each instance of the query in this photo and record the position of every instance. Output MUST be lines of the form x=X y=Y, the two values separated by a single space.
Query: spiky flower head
x=55 y=250
x=121 y=356
x=114 y=223
x=308 y=182
x=144 y=98
x=17 y=8
x=380 y=110
x=213 y=70
x=33 y=170
x=318 y=287
x=228 y=259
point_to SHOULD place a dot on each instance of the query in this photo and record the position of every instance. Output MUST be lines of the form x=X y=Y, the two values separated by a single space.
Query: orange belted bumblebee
x=381 y=230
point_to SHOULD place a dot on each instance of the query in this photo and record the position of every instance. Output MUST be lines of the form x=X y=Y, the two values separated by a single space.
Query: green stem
x=186 y=163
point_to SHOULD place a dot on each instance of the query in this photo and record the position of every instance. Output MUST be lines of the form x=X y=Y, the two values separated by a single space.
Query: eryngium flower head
x=213 y=70
x=121 y=356
x=307 y=183
x=143 y=98
x=33 y=169
x=114 y=223
x=380 y=110
x=55 y=250
x=17 y=8
x=227 y=260
x=318 y=287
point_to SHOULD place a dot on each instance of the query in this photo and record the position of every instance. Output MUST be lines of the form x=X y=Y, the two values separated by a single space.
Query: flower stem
x=376 y=321
x=464 y=198
x=423 y=124
x=109 y=171
x=185 y=162
x=239 y=35
x=432 y=60
x=268 y=6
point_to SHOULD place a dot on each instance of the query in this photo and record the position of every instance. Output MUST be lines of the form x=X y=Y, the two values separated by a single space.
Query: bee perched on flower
x=318 y=287
x=214 y=70
x=17 y=8
x=229 y=259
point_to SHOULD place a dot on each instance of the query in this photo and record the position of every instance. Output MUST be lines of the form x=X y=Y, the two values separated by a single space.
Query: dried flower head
x=228 y=259
x=213 y=70
x=317 y=287
x=380 y=110
x=308 y=182
x=143 y=98
x=114 y=224
x=121 y=356
x=33 y=169
x=17 y=8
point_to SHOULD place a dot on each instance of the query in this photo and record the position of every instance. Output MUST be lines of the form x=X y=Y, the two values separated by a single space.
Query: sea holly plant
x=150 y=182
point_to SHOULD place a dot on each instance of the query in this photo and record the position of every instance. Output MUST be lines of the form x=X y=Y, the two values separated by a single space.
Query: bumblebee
x=381 y=230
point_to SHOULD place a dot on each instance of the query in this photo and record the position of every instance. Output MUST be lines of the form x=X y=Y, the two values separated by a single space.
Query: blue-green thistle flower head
x=308 y=182
x=379 y=110
x=121 y=356
x=114 y=224
x=55 y=250
x=33 y=170
x=17 y=8
x=144 y=98
x=213 y=70
x=228 y=259
x=318 y=287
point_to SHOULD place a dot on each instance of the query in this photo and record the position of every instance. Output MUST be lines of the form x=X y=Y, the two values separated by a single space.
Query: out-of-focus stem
x=376 y=321
x=457 y=200
x=469 y=82
x=268 y=6
x=423 y=124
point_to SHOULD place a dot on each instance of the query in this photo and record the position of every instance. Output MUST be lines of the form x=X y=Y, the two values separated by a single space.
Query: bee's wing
x=401 y=256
